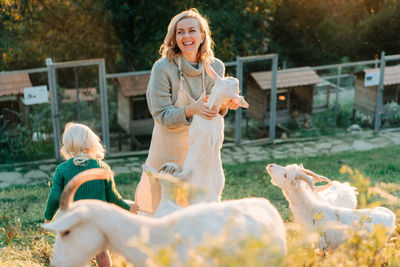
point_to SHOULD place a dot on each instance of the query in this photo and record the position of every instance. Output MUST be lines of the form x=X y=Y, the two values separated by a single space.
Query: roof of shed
x=14 y=84
x=134 y=85
x=392 y=74
x=296 y=77
x=85 y=94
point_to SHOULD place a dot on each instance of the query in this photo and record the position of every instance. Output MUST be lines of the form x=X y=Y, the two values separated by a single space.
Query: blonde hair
x=170 y=49
x=79 y=141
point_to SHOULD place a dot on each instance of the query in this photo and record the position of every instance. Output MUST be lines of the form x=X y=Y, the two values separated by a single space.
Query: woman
x=176 y=92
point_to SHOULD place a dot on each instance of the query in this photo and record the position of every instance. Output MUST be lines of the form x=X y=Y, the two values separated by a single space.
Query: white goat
x=319 y=215
x=88 y=226
x=168 y=176
x=203 y=159
x=337 y=194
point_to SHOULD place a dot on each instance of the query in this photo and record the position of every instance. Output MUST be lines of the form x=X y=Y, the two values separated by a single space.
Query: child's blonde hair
x=79 y=141
x=170 y=48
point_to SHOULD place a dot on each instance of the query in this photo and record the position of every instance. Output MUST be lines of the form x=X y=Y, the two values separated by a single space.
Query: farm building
x=133 y=114
x=11 y=91
x=295 y=91
x=85 y=94
x=365 y=96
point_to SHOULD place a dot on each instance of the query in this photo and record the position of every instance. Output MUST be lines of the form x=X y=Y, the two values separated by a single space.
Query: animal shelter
x=365 y=97
x=133 y=114
x=295 y=91
x=11 y=94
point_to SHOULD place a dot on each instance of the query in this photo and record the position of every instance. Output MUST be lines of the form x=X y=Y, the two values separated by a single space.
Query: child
x=83 y=150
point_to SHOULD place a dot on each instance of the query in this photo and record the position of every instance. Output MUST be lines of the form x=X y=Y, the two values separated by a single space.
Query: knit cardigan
x=98 y=189
x=163 y=88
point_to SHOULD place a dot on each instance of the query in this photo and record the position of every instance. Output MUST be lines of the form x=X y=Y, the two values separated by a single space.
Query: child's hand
x=134 y=208
x=47 y=221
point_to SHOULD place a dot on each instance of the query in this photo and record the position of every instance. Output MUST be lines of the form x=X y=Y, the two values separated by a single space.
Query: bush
x=391 y=114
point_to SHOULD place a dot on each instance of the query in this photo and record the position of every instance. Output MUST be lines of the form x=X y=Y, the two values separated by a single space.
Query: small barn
x=365 y=96
x=133 y=114
x=84 y=94
x=295 y=91
x=11 y=91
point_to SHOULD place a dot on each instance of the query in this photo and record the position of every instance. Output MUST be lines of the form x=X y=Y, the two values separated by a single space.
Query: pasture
x=24 y=243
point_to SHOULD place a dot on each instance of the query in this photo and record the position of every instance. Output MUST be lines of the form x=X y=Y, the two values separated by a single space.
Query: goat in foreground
x=203 y=159
x=87 y=226
x=314 y=214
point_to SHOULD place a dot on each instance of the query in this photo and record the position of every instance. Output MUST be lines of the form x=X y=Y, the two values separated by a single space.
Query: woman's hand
x=230 y=104
x=200 y=108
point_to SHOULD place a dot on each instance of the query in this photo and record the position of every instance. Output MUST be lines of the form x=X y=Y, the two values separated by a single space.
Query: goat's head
x=290 y=177
x=77 y=240
x=224 y=89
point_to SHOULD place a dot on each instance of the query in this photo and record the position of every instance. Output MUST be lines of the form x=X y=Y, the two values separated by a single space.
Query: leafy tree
x=63 y=30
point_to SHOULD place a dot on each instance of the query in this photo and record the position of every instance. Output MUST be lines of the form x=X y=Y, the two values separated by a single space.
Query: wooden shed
x=133 y=113
x=365 y=96
x=295 y=91
x=11 y=91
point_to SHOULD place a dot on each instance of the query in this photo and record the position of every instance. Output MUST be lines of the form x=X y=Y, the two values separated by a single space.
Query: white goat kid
x=337 y=194
x=88 y=226
x=317 y=215
x=203 y=159
x=168 y=175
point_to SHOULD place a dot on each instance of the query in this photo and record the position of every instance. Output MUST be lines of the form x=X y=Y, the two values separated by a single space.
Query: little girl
x=83 y=150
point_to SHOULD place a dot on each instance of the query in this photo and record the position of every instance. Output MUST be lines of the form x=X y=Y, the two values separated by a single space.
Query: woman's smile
x=189 y=38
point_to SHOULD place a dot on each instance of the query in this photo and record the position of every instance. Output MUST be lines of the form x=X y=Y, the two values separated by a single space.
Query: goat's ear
x=239 y=100
x=149 y=170
x=65 y=222
x=214 y=75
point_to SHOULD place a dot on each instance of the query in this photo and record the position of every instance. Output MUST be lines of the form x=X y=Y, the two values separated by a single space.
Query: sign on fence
x=36 y=95
x=371 y=79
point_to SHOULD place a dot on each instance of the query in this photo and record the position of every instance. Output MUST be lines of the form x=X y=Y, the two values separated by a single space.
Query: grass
x=24 y=243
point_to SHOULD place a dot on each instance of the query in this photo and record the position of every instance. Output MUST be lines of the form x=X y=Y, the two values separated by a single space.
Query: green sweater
x=163 y=88
x=99 y=189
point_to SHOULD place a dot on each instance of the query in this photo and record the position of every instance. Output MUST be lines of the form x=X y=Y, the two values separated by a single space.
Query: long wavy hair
x=170 y=49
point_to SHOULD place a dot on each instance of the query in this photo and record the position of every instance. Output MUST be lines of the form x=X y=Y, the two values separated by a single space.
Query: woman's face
x=189 y=38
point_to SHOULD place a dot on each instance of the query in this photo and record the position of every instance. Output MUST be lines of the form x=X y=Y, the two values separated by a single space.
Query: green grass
x=21 y=207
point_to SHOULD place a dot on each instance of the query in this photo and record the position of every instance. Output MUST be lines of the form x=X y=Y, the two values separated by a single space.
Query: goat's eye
x=65 y=233
x=284 y=175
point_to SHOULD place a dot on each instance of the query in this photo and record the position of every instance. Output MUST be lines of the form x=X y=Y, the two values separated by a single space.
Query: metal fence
x=86 y=93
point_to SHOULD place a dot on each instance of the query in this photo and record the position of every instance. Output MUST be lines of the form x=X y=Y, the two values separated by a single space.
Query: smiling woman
x=176 y=92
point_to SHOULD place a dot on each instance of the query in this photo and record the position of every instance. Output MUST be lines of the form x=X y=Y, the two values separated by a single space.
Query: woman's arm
x=159 y=98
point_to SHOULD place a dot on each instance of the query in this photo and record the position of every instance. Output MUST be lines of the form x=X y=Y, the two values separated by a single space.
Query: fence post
x=337 y=92
x=104 y=105
x=238 y=113
x=55 y=115
x=381 y=87
x=272 y=109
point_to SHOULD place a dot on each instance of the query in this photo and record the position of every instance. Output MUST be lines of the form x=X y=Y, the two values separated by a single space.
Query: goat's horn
x=68 y=193
x=323 y=187
x=304 y=177
x=316 y=176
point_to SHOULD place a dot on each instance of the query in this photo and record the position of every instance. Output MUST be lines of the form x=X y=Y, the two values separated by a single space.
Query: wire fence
x=284 y=103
